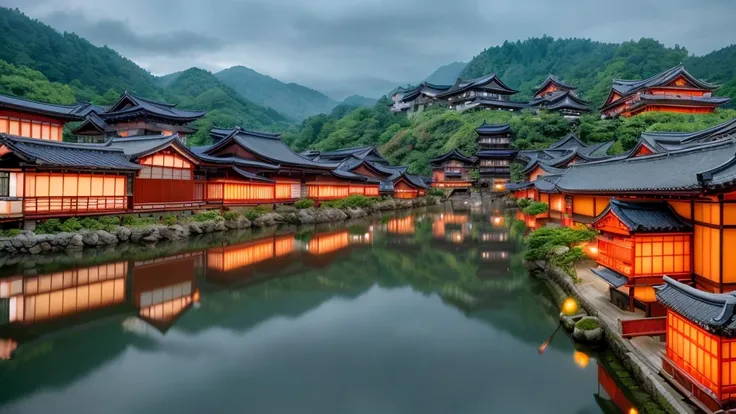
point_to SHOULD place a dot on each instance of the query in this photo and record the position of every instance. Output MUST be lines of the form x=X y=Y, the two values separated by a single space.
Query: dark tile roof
x=628 y=87
x=140 y=146
x=723 y=130
x=570 y=141
x=270 y=148
x=130 y=106
x=251 y=176
x=713 y=312
x=519 y=186
x=424 y=88
x=647 y=216
x=495 y=153
x=61 y=154
x=565 y=100
x=368 y=153
x=547 y=183
x=493 y=129
x=611 y=277
x=647 y=99
x=552 y=79
x=61 y=112
x=453 y=154
x=667 y=172
x=487 y=82
x=416 y=180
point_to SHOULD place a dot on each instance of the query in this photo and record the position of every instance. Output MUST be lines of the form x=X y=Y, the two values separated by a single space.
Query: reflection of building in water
x=494 y=237
x=224 y=259
x=457 y=221
x=328 y=243
x=164 y=288
x=361 y=238
x=494 y=255
x=30 y=299
x=614 y=392
x=7 y=346
x=403 y=225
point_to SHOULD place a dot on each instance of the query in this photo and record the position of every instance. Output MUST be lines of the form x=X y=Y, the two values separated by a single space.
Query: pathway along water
x=429 y=312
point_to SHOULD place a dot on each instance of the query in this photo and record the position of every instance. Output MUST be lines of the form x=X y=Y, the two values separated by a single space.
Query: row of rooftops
x=554 y=94
x=697 y=162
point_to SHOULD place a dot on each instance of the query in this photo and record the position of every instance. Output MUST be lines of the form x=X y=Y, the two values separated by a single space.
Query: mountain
x=37 y=62
x=369 y=87
x=357 y=100
x=447 y=74
x=291 y=99
x=718 y=67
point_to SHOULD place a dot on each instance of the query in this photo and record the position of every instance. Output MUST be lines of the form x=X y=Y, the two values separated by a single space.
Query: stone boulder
x=174 y=233
x=329 y=215
x=306 y=216
x=140 y=233
x=588 y=331
x=76 y=243
x=195 y=228
x=241 y=222
x=106 y=238
x=123 y=233
x=89 y=238
x=355 y=213
x=268 y=219
x=285 y=209
x=569 y=321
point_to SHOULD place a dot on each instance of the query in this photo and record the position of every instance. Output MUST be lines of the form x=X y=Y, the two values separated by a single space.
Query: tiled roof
x=62 y=112
x=490 y=82
x=496 y=103
x=551 y=79
x=714 y=312
x=725 y=129
x=647 y=216
x=611 y=277
x=139 y=146
x=565 y=100
x=130 y=105
x=251 y=176
x=570 y=141
x=61 y=154
x=491 y=129
x=453 y=154
x=671 y=171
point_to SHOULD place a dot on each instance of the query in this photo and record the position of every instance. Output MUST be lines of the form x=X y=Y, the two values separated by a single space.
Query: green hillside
x=293 y=100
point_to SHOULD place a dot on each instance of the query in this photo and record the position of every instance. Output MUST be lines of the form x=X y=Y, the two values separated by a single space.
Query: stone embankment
x=31 y=243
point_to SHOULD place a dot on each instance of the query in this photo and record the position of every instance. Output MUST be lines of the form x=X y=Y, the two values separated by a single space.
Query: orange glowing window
x=283 y=191
x=695 y=351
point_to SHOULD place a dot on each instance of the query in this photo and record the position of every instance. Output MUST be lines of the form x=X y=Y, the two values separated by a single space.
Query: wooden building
x=485 y=92
x=494 y=155
x=43 y=178
x=136 y=116
x=640 y=241
x=31 y=119
x=700 y=356
x=674 y=90
x=555 y=95
x=416 y=99
x=452 y=170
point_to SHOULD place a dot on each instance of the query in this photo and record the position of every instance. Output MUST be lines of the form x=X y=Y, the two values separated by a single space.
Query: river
x=424 y=312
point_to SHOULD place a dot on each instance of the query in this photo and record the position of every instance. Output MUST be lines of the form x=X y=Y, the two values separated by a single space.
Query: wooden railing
x=643 y=327
x=72 y=205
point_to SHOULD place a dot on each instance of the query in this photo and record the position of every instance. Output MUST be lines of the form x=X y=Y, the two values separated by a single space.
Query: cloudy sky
x=321 y=42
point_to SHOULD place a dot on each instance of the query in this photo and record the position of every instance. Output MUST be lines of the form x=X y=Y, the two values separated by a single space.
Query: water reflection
x=406 y=313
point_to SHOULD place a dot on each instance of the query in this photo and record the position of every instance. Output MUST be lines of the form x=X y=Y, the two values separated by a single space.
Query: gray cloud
x=336 y=43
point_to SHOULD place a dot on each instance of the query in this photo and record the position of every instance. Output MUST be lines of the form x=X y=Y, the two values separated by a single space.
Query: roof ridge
x=66 y=145
x=75 y=106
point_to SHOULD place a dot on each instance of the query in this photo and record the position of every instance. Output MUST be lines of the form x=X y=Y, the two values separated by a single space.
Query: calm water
x=424 y=313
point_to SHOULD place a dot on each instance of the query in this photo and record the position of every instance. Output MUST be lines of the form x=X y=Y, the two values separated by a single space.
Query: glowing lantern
x=498 y=221
x=633 y=410
x=569 y=306
x=581 y=359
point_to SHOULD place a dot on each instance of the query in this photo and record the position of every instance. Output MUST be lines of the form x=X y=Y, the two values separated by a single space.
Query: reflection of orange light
x=195 y=296
x=633 y=411
x=7 y=346
x=569 y=306
x=581 y=359
x=498 y=220
x=401 y=226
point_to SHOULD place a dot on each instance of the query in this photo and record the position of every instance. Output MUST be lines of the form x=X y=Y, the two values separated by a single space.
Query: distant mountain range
x=447 y=74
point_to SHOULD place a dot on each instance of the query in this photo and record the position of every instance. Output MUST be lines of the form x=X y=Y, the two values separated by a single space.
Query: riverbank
x=172 y=228
x=637 y=356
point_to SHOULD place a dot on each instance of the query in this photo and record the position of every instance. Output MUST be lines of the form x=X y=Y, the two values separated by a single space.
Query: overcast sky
x=316 y=42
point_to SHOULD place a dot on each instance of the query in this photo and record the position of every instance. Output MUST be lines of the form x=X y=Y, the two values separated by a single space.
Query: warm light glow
x=633 y=411
x=328 y=243
x=195 y=296
x=498 y=221
x=570 y=306
x=581 y=359
x=7 y=346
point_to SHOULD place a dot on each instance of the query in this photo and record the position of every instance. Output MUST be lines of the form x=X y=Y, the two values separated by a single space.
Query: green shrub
x=49 y=226
x=535 y=207
x=206 y=216
x=9 y=232
x=86 y=223
x=169 y=220
x=304 y=203
x=133 y=221
x=541 y=242
x=438 y=192
x=230 y=215
x=353 y=201
x=587 y=324
x=109 y=221
x=523 y=202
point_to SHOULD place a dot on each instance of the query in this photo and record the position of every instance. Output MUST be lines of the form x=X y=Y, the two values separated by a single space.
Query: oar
x=543 y=347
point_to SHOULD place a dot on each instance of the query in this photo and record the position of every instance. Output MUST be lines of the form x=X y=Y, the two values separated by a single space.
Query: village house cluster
x=666 y=213
x=132 y=157
x=674 y=90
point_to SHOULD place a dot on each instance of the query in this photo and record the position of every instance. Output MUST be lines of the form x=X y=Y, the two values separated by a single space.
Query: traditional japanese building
x=452 y=170
x=494 y=155
x=31 y=119
x=560 y=155
x=42 y=178
x=555 y=95
x=136 y=116
x=486 y=92
x=640 y=241
x=417 y=99
x=700 y=356
x=674 y=90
